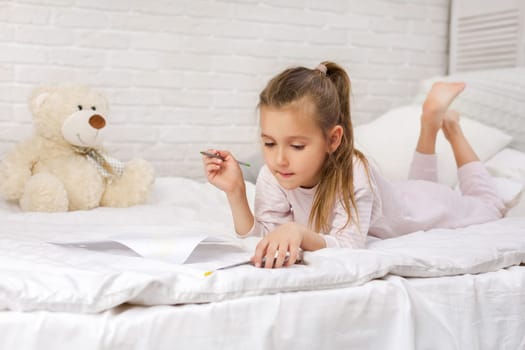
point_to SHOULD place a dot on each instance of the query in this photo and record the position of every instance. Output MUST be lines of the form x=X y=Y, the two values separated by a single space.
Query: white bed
x=440 y=289
x=468 y=289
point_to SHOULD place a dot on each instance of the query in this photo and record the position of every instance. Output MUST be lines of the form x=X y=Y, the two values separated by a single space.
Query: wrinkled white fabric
x=338 y=302
x=390 y=313
x=36 y=275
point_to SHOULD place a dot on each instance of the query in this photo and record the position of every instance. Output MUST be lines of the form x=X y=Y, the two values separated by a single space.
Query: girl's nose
x=281 y=158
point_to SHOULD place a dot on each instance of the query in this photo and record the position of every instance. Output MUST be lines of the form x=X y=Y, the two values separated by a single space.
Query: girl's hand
x=287 y=238
x=225 y=174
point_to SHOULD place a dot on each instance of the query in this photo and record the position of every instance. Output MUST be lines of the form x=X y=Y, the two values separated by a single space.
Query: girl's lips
x=285 y=175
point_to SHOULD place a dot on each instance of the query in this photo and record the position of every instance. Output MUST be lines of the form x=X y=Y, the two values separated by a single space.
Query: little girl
x=316 y=190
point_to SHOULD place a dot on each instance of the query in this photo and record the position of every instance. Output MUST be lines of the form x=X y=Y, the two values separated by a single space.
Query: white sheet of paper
x=175 y=249
x=195 y=249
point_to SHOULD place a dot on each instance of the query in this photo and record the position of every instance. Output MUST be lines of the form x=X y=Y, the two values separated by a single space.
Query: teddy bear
x=64 y=166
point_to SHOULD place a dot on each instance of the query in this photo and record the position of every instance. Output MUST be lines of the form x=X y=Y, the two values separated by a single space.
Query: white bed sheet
x=485 y=311
x=37 y=275
x=342 y=299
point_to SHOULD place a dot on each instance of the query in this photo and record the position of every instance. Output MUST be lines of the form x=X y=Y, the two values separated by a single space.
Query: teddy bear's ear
x=38 y=97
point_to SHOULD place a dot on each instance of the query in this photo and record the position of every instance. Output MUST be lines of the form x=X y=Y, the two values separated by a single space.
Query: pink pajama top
x=385 y=209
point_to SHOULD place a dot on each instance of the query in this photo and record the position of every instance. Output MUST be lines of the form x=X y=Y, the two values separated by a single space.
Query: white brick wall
x=184 y=75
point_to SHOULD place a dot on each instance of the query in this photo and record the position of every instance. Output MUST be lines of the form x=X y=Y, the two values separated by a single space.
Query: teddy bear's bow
x=106 y=165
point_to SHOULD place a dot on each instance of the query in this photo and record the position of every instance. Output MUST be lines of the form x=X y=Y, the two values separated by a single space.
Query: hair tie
x=321 y=68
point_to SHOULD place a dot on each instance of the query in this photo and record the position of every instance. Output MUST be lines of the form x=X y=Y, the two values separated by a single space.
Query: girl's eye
x=94 y=108
x=269 y=144
x=79 y=107
x=298 y=147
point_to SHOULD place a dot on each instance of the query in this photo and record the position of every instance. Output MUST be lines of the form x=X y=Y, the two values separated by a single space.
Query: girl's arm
x=290 y=237
x=226 y=175
x=242 y=215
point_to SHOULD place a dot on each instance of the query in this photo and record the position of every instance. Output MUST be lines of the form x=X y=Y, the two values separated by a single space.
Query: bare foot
x=437 y=102
x=441 y=96
x=451 y=127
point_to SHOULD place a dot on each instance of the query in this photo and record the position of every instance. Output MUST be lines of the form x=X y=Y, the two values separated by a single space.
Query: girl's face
x=294 y=146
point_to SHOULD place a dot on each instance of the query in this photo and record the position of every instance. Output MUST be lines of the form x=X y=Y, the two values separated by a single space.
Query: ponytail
x=337 y=175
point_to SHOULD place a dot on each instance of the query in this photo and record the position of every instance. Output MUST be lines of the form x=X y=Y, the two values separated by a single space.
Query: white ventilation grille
x=484 y=36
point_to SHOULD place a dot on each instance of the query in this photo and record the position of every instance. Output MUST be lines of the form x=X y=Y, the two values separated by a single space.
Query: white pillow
x=390 y=140
x=518 y=210
x=509 y=163
x=508 y=190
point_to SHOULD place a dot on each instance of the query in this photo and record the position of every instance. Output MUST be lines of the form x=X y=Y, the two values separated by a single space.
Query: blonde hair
x=327 y=87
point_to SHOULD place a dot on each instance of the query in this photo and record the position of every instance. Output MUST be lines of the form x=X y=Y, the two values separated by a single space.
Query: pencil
x=207 y=273
x=218 y=156
x=250 y=262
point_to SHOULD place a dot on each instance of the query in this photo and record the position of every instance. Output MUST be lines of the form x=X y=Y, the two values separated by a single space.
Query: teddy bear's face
x=72 y=114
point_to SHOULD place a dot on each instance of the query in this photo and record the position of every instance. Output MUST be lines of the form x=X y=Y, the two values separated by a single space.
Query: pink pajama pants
x=477 y=196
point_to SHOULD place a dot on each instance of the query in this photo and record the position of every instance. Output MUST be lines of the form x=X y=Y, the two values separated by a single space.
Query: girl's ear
x=334 y=138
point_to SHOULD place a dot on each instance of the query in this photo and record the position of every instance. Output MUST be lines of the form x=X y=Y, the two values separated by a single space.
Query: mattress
x=483 y=311
x=461 y=288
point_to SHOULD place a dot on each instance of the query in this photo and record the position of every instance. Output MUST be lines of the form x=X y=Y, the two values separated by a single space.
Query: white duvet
x=36 y=275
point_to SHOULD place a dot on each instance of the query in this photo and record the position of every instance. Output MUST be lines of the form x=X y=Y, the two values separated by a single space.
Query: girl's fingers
x=223 y=154
x=260 y=250
x=270 y=255
x=294 y=254
x=276 y=254
x=281 y=255
x=212 y=165
x=212 y=169
x=209 y=161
